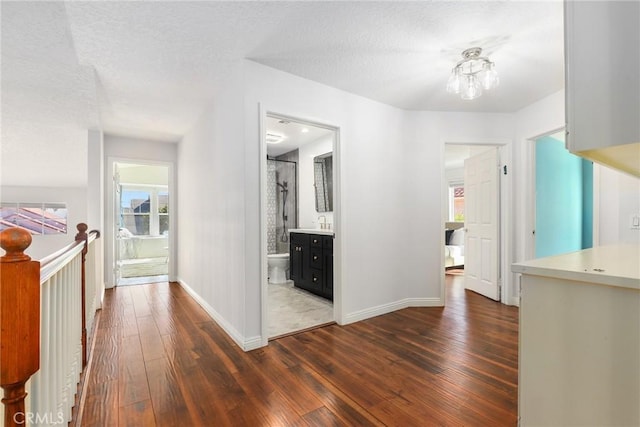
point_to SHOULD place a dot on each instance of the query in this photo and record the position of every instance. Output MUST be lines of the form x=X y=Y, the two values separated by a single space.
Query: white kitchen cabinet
x=579 y=354
x=602 y=52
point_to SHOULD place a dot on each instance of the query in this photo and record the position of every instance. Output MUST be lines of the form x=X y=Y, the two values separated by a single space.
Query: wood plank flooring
x=161 y=361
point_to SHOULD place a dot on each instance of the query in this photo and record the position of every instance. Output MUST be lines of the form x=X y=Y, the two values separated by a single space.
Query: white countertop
x=612 y=265
x=312 y=231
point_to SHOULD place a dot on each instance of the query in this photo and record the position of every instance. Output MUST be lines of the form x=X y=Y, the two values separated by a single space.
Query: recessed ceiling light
x=274 y=138
x=304 y=130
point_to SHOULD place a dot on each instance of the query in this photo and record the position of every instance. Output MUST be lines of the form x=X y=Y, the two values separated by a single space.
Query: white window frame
x=154 y=215
x=452 y=186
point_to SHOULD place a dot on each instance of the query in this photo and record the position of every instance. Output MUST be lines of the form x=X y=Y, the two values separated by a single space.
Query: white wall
x=95 y=204
x=76 y=200
x=138 y=149
x=212 y=204
x=29 y=159
x=619 y=200
x=308 y=216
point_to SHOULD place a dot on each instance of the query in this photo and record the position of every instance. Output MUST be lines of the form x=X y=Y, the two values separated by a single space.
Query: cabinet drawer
x=316 y=280
x=315 y=258
x=315 y=241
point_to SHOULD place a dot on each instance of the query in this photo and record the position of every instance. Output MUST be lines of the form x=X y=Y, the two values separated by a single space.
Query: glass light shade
x=453 y=85
x=472 y=75
x=471 y=88
x=490 y=77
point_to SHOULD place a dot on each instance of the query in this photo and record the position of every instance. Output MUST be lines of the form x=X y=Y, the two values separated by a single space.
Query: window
x=456 y=202
x=36 y=218
x=144 y=211
x=163 y=211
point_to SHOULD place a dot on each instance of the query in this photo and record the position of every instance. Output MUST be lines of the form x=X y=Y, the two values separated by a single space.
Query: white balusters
x=53 y=388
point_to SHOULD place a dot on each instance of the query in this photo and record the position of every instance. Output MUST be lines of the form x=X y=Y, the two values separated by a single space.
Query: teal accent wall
x=587 y=204
x=564 y=199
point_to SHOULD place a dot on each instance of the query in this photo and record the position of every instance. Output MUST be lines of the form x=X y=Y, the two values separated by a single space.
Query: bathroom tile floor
x=292 y=309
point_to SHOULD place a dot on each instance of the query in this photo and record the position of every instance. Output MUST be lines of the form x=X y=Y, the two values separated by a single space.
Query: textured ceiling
x=148 y=69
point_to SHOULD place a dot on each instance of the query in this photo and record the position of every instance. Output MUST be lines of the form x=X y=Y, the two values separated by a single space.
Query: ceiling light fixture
x=304 y=130
x=472 y=75
x=274 y=138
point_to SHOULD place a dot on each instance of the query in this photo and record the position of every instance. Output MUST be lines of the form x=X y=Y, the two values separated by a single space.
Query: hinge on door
x=504 y=168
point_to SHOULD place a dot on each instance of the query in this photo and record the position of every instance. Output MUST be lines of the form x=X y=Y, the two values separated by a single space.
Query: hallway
x=160 y=360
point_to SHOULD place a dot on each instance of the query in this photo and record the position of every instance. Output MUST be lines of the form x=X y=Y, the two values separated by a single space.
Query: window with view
x=456 y=203
x=144 y=211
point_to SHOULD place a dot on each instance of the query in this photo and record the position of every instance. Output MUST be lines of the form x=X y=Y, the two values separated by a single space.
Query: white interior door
x=482 y=207
x=117 y=200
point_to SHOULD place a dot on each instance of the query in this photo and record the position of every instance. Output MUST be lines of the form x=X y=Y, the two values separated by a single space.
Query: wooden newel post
x=83 y=236
x=19 y=322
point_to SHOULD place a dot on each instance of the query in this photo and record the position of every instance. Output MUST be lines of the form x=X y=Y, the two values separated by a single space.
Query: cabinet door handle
x=315 y=257
x=315 y=279
x=315 y=240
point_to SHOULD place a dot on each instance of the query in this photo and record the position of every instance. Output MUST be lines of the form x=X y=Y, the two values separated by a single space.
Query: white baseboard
x=514 y=301
x=252 y=343
x=390 y=307
x=245 y=344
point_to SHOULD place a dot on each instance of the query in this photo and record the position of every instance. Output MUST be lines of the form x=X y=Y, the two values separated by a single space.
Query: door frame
x=505 y=216
x=110 y=232
x=530 y=194
x=264 y=111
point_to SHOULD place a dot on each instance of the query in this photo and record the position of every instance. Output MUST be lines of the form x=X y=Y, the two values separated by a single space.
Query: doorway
x=475 y=227
x=563 y=188
x=299 y=187
x=142 y=218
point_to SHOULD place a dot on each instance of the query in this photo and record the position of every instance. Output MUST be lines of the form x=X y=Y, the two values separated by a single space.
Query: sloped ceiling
x=148 y=69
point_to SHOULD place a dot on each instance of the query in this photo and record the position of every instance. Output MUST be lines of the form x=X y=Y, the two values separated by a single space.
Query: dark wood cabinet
x=311 y=258
x=298 y=247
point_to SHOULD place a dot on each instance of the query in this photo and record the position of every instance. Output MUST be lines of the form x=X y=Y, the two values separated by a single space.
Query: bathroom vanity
x=311 y=258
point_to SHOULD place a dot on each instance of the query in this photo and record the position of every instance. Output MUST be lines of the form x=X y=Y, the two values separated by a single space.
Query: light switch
x=635 y=221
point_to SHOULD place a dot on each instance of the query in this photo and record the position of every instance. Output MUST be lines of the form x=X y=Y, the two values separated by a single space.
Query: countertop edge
x=312 y=231
x=611 y=265
x=577 y=276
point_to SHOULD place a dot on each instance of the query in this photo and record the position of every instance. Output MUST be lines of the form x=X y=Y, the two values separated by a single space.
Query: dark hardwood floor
x=161 y=361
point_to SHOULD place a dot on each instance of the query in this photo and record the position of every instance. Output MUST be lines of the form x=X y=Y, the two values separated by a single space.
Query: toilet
x=278 y=266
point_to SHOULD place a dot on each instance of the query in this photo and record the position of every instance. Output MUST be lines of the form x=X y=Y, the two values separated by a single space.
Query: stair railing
x=46 y=308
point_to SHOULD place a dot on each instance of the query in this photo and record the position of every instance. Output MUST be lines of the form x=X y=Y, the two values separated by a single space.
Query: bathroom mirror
x=323 y=182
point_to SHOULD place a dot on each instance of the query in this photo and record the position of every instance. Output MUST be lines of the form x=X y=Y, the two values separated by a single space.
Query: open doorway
x=141 y=223
x=563 y=198
x=298 y=206
x=475 y=218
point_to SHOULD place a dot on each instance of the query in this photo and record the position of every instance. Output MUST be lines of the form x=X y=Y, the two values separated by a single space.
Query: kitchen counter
x=612 y=265
x=312 y=231
x=579 y=351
